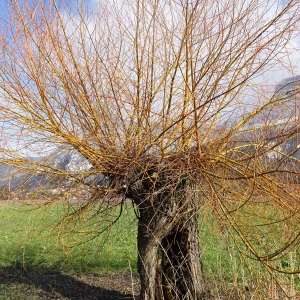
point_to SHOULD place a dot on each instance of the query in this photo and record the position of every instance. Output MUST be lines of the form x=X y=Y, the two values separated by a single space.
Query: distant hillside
x=64 y=159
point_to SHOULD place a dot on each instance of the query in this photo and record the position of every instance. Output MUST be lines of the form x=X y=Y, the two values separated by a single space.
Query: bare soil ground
x=16 y=284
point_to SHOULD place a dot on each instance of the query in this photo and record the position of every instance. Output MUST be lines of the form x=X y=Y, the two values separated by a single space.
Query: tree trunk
x=169 y=261
x=169 y=258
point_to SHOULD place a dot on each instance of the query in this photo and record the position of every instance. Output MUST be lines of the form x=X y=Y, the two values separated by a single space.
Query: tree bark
x=169 y=256
x=169 y=261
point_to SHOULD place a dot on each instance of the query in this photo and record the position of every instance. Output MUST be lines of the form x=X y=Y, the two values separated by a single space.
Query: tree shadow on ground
x=47 y=284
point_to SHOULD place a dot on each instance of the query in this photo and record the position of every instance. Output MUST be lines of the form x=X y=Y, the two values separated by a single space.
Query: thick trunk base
x=169 y=260
x=169 y=256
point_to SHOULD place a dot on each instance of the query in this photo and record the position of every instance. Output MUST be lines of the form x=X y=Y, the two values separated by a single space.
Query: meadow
x=33 y=239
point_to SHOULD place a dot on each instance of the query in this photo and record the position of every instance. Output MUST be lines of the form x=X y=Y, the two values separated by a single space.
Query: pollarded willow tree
x=167 y=100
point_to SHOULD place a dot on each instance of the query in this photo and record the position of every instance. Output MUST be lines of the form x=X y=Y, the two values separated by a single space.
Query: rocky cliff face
x=66 y=159
x=69 y=160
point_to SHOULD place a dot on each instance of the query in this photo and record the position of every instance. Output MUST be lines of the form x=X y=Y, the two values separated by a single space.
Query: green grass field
x=33 y=238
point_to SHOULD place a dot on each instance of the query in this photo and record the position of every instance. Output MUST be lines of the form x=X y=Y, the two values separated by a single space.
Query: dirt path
x=15 y=284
